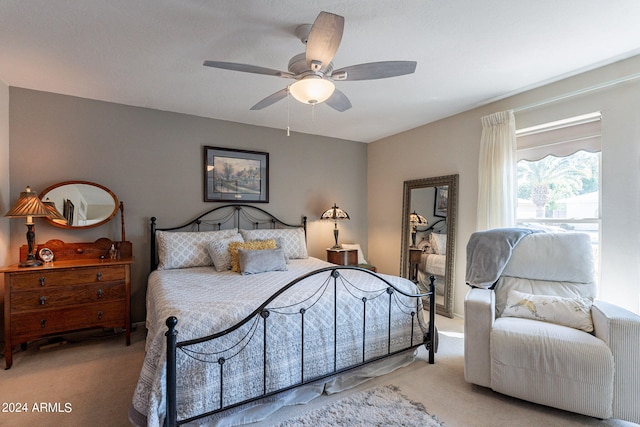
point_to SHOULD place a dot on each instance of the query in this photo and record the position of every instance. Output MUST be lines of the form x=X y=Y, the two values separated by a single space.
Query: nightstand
x=342 y=256
x=415 y=256
x=77 y=290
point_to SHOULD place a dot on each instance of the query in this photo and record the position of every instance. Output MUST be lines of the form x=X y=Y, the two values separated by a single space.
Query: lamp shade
x=54 y=215
x=335 y=213
x=417 y=219
x=27 y=206
x=312 y=90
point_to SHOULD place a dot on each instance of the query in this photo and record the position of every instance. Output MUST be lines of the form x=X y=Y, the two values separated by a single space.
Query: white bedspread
x=433 y=264
x=206 y=302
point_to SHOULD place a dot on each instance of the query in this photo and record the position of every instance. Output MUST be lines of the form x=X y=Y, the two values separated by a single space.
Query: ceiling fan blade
x=324 y=40
x=246 y=68
x=271 y=99
x=338 y=101
x=375 y=70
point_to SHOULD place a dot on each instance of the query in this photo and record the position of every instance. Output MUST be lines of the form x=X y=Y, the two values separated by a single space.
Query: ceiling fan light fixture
x=312 y=90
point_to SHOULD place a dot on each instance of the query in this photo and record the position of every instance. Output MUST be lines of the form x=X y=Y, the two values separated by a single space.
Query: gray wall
x=4 y=185
x=451 y=146
x=4 y=173
x=152 y=160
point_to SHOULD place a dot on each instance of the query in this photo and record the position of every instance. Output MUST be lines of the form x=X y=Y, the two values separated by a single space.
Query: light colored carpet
x=98 y=375
x=377 y=407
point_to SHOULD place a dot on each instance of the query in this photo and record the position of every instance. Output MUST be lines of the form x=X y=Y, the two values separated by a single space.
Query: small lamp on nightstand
x=415 y=220
x=335 y=214
x=28 y=206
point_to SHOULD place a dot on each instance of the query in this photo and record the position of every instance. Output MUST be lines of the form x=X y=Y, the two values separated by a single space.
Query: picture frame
x=68 y=211
x=232 y=175
x=46 y=254
x=441 y=202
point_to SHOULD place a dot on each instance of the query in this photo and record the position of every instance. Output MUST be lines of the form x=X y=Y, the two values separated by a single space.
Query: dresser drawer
x=25 y=325
x=57 y=296
x=65 y=277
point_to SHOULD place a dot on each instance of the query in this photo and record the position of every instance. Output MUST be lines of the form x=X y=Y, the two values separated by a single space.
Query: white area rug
x=380 y=406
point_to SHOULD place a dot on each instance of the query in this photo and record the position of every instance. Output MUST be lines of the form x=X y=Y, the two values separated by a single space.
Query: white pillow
x=183 y=249
x=572 y=312
x=291 y=239
x=425 y=246
x=439 y=243
x=356 y=246
x=219 y=252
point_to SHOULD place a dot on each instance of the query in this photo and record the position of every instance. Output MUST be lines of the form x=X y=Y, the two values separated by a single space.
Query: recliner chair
x=517 y=341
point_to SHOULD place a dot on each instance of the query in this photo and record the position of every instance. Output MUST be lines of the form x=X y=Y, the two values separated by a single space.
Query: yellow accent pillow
x=250 y=245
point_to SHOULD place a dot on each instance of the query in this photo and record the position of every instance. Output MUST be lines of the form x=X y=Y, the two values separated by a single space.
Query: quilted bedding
x=433 y=264
x=206 y=302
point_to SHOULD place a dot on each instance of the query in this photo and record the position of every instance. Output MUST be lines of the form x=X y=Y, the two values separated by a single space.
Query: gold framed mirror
x=83 y=204
x=429 y=215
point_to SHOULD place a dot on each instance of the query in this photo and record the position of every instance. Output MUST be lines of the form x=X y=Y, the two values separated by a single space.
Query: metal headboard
x=223 y=217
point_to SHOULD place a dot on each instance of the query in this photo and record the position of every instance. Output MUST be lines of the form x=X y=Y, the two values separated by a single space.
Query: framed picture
x=441 y=202
x=68 y=211
x=235 y=175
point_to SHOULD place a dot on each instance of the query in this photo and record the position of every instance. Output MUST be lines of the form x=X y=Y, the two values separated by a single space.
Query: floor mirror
x=429 y=212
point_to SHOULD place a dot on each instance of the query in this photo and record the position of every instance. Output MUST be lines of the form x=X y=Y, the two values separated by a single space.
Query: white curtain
x=497 y=172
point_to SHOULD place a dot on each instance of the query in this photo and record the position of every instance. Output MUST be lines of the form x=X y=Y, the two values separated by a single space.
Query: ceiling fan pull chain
x=288 y=112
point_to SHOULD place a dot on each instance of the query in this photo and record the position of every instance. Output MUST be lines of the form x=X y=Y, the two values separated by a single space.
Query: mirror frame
x=116 y=206
x=445 y=309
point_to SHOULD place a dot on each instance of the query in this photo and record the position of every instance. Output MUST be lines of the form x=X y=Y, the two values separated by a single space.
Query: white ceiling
x=149 y=53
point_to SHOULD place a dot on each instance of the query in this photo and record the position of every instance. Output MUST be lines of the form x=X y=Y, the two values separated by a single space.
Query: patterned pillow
x=248 y=244
x=219 y=252
x=439 y=243
x=185 y=249
x=292 y=239
x=572 y=312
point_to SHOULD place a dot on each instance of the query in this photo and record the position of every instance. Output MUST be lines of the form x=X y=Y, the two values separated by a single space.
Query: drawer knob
x=42 y=281
x=99 y=276
x=43 y=300
x=100 y=293
x=100 y=315
x=43 y=323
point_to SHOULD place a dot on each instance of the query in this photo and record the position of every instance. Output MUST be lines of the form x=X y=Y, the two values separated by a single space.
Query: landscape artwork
x=235 y=175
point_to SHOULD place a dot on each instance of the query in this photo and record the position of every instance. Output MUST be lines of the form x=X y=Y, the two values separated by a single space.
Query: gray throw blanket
x=488 y=253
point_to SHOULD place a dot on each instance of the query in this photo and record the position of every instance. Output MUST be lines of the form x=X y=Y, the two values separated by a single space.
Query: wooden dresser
x=81 y=288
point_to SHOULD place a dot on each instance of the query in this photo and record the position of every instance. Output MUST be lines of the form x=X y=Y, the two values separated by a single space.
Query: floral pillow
x=250 y=245
x=572 y=312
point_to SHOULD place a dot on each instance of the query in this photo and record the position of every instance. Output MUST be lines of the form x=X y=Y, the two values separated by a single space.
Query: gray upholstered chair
x=520 y=345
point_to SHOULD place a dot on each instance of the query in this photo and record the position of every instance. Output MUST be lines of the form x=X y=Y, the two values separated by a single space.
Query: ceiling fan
x=313 y=69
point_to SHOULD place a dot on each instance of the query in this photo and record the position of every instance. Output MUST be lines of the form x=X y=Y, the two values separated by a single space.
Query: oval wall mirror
x=83 y=204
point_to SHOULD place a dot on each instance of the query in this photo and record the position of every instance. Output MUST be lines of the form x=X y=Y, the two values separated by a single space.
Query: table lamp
x=415 y=220
x=335 y=214
x=55 y=215
x=28 y=206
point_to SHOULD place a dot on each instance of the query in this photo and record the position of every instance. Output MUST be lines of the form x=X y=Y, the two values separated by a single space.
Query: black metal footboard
x=254 y=327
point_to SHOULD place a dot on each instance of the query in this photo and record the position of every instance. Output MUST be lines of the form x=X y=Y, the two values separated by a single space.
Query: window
x=559 y=176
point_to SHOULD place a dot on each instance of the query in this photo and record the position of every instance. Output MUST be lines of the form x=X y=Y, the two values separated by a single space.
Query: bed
x=228 y=347
x=433 y=261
